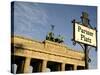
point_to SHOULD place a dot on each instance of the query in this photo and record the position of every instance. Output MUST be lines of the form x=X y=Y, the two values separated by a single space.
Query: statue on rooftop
x=51 y=37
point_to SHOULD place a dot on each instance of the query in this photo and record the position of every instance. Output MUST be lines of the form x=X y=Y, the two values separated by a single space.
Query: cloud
x=28 y=16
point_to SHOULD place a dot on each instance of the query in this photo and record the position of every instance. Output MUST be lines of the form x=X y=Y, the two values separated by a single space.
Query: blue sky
x=33 y=20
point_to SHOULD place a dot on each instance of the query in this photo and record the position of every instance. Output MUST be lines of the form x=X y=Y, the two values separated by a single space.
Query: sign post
x=86 y=56
x=85 y=35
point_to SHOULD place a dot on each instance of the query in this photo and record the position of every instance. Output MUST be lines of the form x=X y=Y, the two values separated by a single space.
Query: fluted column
x=75 y=67
x=27 y=65
x=44 y=65
x=63 y=67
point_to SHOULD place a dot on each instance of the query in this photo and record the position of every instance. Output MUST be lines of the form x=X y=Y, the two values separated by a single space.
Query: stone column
x=30 y=69
x=14 y=68
x=27 y=65
x=75 y=67
x=59 y=67
x=44 y=65
x=63 y=67
x=40 y=66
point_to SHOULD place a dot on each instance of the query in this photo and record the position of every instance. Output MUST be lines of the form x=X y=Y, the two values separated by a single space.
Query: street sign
x=84 y=35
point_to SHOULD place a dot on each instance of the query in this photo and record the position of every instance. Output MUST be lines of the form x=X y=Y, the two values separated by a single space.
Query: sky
x=34 y=20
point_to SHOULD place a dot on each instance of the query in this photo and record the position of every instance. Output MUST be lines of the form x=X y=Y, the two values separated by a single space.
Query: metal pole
x=86 y=56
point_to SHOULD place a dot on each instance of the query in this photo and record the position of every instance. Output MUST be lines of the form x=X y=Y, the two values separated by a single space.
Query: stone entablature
x=48 y=47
